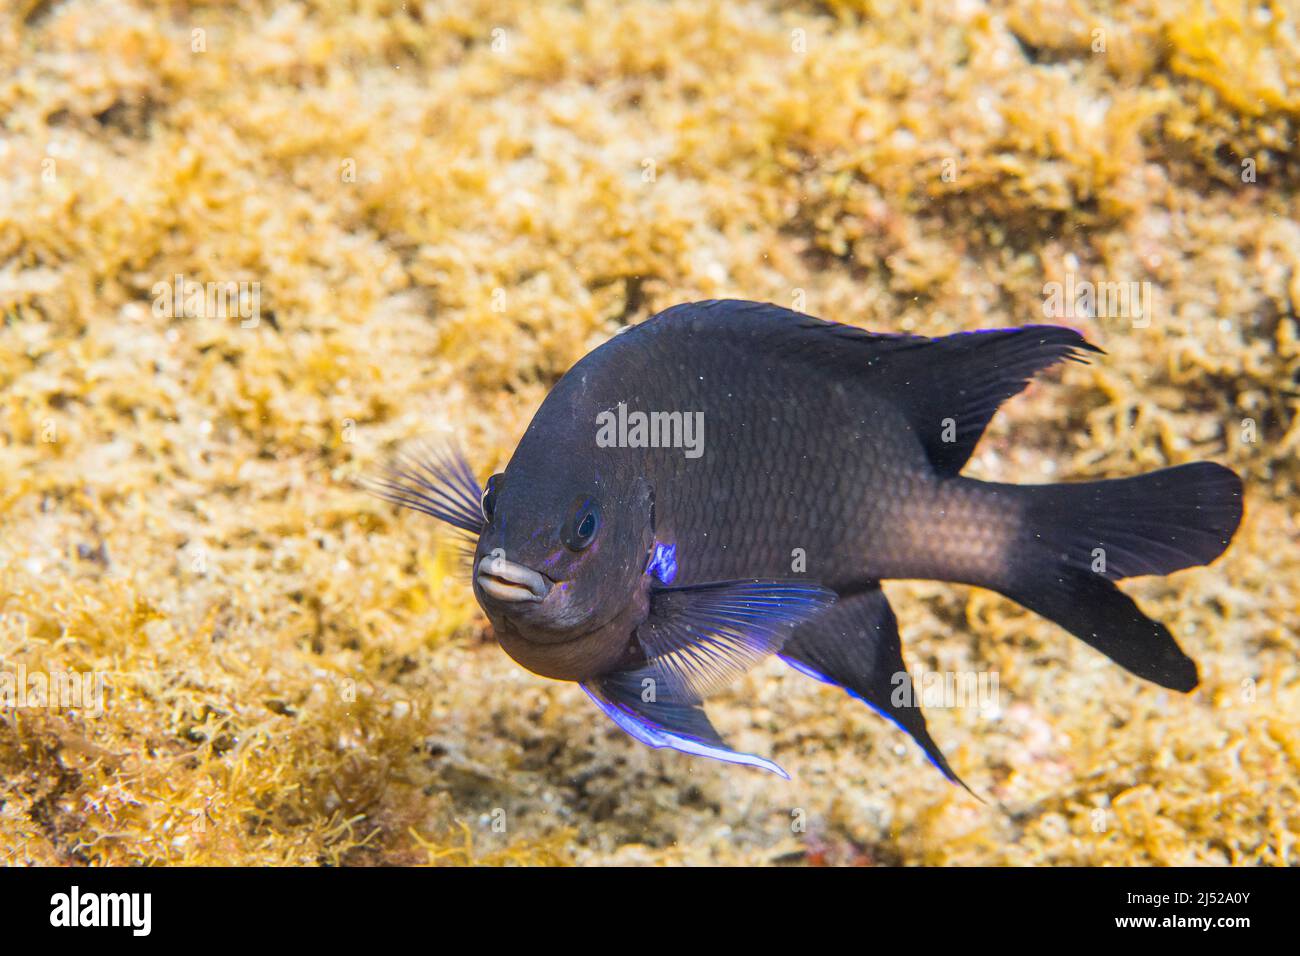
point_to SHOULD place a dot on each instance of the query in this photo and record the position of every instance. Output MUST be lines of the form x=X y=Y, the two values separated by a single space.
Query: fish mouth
x=509 y=582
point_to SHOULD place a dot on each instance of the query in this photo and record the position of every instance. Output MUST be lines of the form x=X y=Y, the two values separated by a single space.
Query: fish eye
x=583 y=527
x=489 y=502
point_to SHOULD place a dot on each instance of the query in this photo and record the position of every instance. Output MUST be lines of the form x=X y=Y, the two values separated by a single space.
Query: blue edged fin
x=696 y=639
x=665 y=721
x=701 y=637
x=855 y=646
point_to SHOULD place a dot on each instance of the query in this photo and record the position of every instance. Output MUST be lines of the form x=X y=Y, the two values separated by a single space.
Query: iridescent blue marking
x=657 y=737
x=663 y=563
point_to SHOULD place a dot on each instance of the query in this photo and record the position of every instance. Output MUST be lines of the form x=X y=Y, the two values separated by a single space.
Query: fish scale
x=816 y=472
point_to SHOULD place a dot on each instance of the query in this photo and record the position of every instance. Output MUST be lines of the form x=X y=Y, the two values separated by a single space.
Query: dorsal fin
x=950 y=387
x=947 y=388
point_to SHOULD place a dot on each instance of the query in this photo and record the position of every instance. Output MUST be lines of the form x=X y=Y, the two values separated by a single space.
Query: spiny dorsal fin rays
x=699 y=638
x=438 y=483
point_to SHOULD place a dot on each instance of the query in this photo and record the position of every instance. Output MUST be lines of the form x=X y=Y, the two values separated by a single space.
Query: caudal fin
x=1083 y=537
x=1156 y=523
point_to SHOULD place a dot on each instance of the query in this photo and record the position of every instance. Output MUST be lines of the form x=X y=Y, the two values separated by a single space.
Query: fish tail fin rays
x=1094 y=610
x=1086 y=536
x=650 y=710
x=1156 y=523
x=855 y=645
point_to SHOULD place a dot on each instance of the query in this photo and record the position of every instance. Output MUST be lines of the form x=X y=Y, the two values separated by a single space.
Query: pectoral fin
x=701 y=637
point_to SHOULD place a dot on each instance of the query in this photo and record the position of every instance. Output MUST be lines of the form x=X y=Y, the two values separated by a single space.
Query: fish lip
x=510 y=582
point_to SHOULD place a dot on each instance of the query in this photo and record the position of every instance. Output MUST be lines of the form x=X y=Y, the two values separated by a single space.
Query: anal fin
x=855 y=646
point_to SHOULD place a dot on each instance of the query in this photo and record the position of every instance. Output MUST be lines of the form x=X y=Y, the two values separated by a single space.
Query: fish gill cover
x=250 y=250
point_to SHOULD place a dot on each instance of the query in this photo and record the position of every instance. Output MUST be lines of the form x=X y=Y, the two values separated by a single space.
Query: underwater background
x=426 y=213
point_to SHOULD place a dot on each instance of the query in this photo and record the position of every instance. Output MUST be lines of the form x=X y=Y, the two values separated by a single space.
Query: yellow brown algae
x=298 y=674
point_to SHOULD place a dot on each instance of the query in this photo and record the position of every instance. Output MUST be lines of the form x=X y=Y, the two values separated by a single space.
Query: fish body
x=730 y=480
